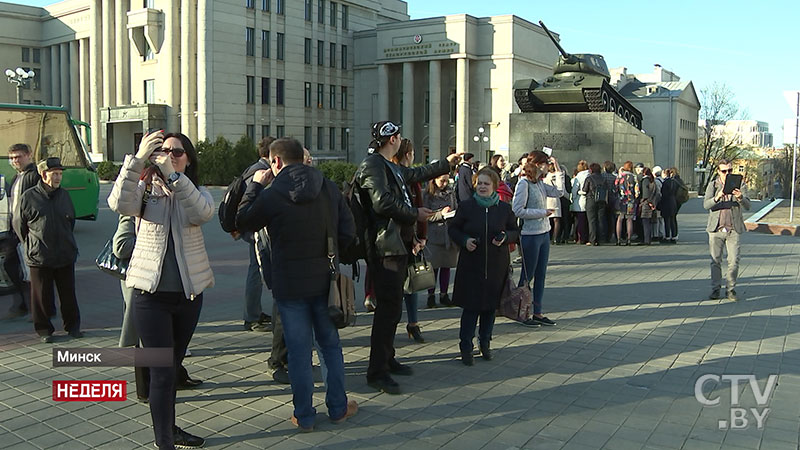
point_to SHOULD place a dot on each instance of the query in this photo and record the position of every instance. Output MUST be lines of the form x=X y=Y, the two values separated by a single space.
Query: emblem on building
x=417 y=38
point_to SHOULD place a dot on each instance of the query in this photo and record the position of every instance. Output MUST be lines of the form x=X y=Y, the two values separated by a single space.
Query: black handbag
x=420 y=275
x=110 y=264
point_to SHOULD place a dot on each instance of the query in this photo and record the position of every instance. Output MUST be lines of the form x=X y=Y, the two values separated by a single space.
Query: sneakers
x=47 y=339
x=531 y=323
x=352 y=409
x=385 y=384
x=76 y=334
x=369 y=303
x=264 y=318
x=301 y=428
x=186 y=440
x=257 y=326
x=396 y=368
x=732 y=295
x=714 y=295
x=543 y=320
x=281 y=375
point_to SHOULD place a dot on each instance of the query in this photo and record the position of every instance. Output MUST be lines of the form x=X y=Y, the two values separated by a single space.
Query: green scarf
x=486 y=202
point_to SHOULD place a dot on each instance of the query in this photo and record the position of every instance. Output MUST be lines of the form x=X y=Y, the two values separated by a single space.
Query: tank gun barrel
x=558 y=46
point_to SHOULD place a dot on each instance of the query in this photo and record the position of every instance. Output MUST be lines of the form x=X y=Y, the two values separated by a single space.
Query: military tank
x=579 y=84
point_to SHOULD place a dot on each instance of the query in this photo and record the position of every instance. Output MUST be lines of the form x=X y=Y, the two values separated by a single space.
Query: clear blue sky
x=752 y=46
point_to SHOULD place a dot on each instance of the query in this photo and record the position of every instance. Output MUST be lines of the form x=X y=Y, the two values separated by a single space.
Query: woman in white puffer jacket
x=169 y=268
x=578 y=206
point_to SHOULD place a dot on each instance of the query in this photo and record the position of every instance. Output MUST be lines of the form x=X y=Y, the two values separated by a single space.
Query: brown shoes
x=352 y=409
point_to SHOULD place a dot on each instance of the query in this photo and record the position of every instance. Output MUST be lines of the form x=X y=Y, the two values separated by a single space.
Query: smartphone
x=501 y=236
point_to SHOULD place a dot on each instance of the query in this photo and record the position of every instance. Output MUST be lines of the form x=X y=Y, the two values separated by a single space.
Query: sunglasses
x=725 y=170
x=176 y=152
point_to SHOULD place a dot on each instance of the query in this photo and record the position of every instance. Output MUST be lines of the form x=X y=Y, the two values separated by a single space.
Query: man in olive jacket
x=47 y=220
x=387 y=201
x=725 y=226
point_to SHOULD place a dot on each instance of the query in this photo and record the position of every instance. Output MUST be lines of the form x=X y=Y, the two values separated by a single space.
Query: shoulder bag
x=110 y=264
x=342 y=292
x=516 y=302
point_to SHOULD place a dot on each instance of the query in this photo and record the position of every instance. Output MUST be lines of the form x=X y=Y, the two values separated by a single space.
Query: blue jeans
x=536 y=252
x=252 y=288
x=299 y=316
x=411 y=306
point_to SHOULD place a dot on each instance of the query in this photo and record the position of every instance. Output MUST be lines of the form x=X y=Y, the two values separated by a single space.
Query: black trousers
x=165 y=319
x=598 y=223
x=671 y=226
x=388 y=286
x=13 y=267
x=279 y=357
x=43 y=298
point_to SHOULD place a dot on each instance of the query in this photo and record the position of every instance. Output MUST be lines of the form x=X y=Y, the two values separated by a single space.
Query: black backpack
x=358 y=249
x=601 y=190
x=230 y=201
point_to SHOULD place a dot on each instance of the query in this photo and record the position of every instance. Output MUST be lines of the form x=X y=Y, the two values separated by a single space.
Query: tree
x=717 y=106
x=783 y=171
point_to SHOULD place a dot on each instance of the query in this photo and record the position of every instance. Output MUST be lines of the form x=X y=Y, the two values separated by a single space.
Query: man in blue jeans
x=290 y=209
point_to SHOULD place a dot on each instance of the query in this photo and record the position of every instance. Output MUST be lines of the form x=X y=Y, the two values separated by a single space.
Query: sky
x=750 y=46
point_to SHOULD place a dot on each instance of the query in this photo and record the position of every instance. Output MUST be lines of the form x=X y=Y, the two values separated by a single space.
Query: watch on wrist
x=173 y=177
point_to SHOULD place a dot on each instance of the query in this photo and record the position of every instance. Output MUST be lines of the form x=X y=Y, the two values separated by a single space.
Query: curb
x=753 y=224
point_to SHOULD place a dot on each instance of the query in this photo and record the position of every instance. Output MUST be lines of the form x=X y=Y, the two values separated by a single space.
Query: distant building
x=750 y=133
x=670 y=110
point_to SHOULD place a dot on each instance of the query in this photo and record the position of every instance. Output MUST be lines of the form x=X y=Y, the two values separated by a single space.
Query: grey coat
x=123 y=242
x=712 y=189
x=440 y=249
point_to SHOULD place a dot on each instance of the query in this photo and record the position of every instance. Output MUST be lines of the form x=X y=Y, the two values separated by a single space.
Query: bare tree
x=717 y=106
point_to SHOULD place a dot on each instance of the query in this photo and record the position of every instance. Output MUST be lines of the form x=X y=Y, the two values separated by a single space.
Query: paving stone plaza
x=635 y=332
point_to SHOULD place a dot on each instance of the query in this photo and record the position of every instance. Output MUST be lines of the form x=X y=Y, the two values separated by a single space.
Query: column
x=435 y=100
x=46 y=81
x=109 y=99
x=205 y=106
x=95 y=78
x=188 y=69
x=74 y=81
x=462 y=105
x=408 y=101
x=83 y=76
x=55 y=74
x=64 y=73
x=383 y=92
x=166 y=82
x=122 y=50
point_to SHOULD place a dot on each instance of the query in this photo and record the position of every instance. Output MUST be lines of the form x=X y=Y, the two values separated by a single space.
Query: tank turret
x=579 y=84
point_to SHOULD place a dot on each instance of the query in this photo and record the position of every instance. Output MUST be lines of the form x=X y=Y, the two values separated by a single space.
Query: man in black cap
x=47 y=220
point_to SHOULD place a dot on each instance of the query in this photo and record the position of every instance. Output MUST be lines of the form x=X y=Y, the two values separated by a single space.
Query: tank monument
x=578 y=114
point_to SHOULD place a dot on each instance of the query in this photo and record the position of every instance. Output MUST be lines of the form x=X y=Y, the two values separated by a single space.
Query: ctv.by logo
x=738 y=415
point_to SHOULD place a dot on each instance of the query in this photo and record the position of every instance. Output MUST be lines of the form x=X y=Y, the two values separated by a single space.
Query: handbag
x=342 y=292
x=516 y=302
x=110 y=264
x=420 y=275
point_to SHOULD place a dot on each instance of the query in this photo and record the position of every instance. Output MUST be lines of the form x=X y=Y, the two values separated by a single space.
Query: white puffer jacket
x=182 y=211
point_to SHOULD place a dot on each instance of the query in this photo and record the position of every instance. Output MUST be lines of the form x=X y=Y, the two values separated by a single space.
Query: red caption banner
x=90 y=391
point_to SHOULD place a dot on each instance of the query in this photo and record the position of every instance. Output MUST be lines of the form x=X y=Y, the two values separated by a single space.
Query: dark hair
x=493 y=161
x=432 y=188
x=648 y=173
x=674 y=171
x=263 y=146
x=20 y=148
x=290 y=150
x=468 y=156
x=531 y=167
x=406 y=147
x=594 y=167
x=524 y=156
x=609 y=167
x=489 y=172
x=723 y=161
x=191 y=170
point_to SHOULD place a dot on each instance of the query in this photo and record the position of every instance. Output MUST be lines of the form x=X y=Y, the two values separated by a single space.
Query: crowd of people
x=453 y=213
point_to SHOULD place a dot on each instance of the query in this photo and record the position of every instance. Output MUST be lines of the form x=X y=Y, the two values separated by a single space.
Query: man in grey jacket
x=725 y=226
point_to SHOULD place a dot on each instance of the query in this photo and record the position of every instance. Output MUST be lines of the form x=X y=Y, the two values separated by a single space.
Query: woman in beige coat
x=169 y=268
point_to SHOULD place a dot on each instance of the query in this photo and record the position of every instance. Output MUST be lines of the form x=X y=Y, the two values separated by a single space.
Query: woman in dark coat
x=483 y=227
x=669 y=208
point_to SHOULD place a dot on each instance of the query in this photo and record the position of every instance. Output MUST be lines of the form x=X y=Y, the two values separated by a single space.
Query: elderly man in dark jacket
x=47 y=220
x=291 y=209
x=390 y=233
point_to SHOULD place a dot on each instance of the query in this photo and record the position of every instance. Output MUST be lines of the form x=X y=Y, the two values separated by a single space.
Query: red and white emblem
x=417 y=38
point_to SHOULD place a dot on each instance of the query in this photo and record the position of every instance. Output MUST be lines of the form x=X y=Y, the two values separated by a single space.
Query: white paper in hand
x=548 y=151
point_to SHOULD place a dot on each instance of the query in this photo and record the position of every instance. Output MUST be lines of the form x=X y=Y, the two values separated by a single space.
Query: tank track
x=609 y=100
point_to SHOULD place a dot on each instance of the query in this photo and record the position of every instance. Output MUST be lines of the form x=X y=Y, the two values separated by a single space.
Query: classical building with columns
x=203 y=67
x=443 y=78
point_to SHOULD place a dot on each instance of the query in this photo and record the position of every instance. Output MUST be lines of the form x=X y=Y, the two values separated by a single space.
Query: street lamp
x=19 y=78
x=480 y=138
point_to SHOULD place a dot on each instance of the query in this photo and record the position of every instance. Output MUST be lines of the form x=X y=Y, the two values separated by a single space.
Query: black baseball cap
x=49 y=164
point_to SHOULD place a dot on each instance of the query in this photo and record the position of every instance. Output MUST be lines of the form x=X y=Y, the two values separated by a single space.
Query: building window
x=265 y=7
x=332 y=97
x=37 y=79
x=333 y=15
x=344 y=138
x=307 y=137
x=307 y=51
x=333 y=55
x=26 y=54
x=344 y=57
x=320 y=94
x=250 y=4
x=265 y=91
x=249 y=39
x=279 y=91
x=320 y=52
x=149 y=91
x=320 y=137
x=251 y=89
x=321 y=11
x=37 y=55
x=279 y=8
x=307 y=95
x=427 y=107
x=264 y=44
x=264 y=131
x=345 y=16
x=251 y=132
x=452 y=107
x=332 y=138
x=281 y=44
x=344 y=97
x=308 y=10
x=280 y=132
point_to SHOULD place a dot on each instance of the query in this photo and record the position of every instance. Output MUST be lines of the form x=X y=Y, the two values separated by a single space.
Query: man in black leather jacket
x=390 y=233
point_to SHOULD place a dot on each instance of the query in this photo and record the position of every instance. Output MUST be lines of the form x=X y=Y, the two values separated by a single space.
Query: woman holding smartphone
x=483 y=226
x=530 y=204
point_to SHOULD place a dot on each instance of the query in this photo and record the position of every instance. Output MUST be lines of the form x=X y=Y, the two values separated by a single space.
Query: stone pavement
x=634 y=333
